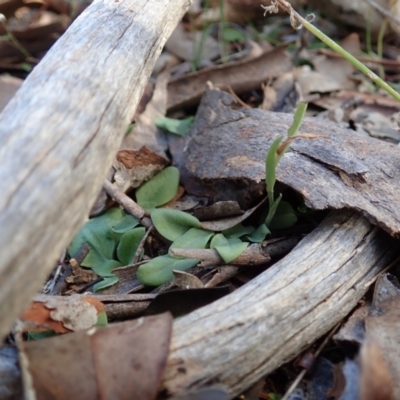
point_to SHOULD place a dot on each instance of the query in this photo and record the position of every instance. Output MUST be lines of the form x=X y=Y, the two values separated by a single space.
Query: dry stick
x=226 y=272
x=296 y=382
x=380 y=61
x=269 y=321
x=79 y=101
x=251 y=256
x=236 y=97
x=255 y=254
x=127 y=204
x=141 y=245
x=383 y=11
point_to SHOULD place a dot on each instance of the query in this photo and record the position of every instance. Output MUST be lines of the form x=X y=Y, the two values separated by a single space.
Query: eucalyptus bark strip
x=59 y=134
x=242 y=337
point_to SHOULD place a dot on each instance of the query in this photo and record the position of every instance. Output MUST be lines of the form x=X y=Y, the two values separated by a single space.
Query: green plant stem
x=223 y=44
x=338 y=49
x=368 y=39
x=15 y=41
x=379 y=47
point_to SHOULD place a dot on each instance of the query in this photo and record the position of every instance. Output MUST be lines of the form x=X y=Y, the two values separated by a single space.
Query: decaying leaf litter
x=220 y=204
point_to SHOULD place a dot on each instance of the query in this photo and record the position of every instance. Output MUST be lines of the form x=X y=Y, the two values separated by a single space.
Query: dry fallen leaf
x=62 y=314
x=120 y=362
x=376 y=382
x=133 y=167
x=8 y=87
x=145 y=133
x=241 y=76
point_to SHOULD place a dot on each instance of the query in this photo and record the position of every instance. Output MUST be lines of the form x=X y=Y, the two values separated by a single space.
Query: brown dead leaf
x=220 y=209
x=61 y=314
x=282 y=95
x=381 y=350
x=29 y=24
x=355 y=13
x=375 y=381
x=184 y=280
x=222 y=224
x=120 y=362
x=8 y=87
x=329 y=74
x=241 y=76
x=79 y=275
x=133 y=167
x=186 y=45
x=245 y=10
x=145 y=133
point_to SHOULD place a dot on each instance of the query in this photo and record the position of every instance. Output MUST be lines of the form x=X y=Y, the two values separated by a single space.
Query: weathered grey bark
x=60 y=132
x=236 y=340
x=223 y=157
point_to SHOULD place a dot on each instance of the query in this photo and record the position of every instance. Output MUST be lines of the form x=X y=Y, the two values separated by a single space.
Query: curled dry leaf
x=133 y=167
x=62 y=314
x=122 y=361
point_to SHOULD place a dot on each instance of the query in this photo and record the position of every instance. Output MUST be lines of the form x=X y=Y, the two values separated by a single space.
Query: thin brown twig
x=237 y=98
x=393 y=263
x=252 y=256
x=127 y=204
x=141 y=245
x=380 y=61
x=15 y=41
x=383 y=11
x=296 y=382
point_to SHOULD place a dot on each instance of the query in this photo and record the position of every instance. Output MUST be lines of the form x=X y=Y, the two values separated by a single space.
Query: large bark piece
x=60 y=132
x=223 y=156
x=238 y=339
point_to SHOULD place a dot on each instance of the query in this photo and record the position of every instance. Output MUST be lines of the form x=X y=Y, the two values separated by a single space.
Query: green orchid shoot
x=274 y=155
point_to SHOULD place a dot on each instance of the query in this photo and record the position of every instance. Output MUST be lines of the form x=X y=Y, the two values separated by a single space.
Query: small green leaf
x=158 y=190
x=194 y=238
x=26 y=67
x=272 y=210
x=177 y=126
x=126 y=224
x=270 y=166
x=238 y=231
x=128 y=245
x=298 y=118
x=233 y=35
x=228 y=249
x=98 y=235
x=159 y=270
x=285 y=217
x=102 y=319
x=105 y=283
x=259 y=234
x=274 y=396
x=173 y=223
x=40 y=335
x=106 y=267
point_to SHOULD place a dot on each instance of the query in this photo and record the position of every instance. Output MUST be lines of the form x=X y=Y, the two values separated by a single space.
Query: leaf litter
x=212 y=160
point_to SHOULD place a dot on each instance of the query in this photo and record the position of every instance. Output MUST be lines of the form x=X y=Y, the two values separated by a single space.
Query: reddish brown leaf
x=375 y=381
x=61 y=314
x=121 y=362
